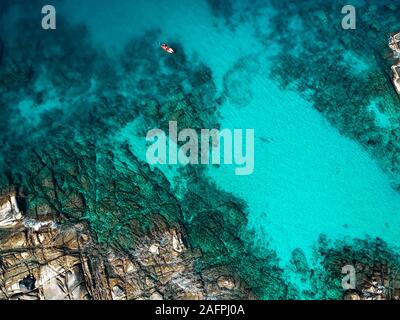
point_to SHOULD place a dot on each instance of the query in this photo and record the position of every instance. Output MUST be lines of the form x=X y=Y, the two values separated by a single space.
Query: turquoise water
x=308 y=178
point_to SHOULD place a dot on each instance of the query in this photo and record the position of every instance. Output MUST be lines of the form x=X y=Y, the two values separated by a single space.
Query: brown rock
x=351 y=296
x=226 y=282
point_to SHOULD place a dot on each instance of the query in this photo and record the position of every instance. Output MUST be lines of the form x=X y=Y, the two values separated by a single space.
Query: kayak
x=167 y=48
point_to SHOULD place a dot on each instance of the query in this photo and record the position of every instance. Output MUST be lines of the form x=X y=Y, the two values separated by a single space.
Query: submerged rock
x=225 y=282
x=375 y=266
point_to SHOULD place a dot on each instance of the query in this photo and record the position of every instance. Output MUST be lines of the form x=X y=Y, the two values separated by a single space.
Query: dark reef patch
x=237 y=81
x=235 y=12
x=376 y=265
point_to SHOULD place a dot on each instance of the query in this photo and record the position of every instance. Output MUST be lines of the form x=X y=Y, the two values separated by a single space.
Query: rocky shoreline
x=41 y=259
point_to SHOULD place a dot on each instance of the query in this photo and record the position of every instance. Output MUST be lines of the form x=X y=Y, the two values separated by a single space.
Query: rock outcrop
x=9 y=212
x=42 y=259
x=394 y=44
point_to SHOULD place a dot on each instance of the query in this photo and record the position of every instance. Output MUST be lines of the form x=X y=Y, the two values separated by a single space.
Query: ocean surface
x=309 y=178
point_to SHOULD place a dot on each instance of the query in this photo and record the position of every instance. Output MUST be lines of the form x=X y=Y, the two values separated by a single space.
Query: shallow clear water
x=308 y=178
